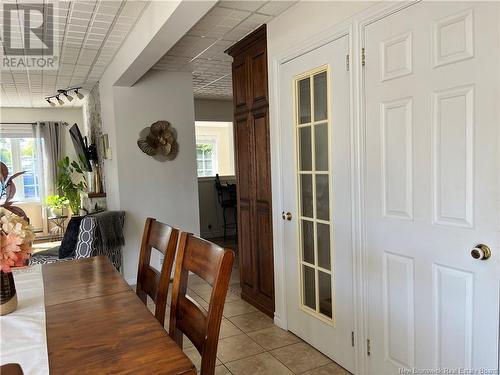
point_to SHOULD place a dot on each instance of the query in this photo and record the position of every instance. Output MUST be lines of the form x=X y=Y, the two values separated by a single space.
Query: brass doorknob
x=286 y=216
x=481 y=252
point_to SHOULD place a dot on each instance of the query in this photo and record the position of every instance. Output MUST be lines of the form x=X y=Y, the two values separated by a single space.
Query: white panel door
x=314 y=100
x=431 y=127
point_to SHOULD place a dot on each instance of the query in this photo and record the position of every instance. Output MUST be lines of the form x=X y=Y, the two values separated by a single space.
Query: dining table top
x=97 y=325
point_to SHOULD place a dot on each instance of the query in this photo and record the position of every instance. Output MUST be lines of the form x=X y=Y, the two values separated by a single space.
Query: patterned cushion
x=86 y=247
x=89 y=243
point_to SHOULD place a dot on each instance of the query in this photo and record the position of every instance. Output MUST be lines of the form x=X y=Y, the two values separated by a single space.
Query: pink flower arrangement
x=16 y=235
x=14 y=252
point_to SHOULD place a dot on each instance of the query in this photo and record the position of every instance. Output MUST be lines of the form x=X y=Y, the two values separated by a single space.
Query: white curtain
x=49 y=141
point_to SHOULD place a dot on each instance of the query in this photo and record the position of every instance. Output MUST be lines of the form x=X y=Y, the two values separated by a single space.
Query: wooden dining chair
x=213 y=264
x=11 y=369
x=150 y=282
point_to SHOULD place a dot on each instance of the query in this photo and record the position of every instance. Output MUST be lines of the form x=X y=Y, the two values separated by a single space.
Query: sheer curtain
x=49 y=141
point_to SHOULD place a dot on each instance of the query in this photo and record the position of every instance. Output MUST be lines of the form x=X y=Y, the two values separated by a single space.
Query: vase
x=8 y=296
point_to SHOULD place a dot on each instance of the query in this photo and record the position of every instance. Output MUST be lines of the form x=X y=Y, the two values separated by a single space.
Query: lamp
x=78 y=94
x=50 y=102
x=69 y=97
x=59 y=100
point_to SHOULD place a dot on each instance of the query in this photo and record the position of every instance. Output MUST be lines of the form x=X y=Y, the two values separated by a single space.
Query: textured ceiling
x=201 y=50
x=90 y=34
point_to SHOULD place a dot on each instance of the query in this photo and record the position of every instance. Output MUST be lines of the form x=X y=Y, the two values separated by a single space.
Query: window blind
x=16 y=130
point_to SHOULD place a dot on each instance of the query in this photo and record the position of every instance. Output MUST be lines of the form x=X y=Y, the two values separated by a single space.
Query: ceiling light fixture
x=65 y=93
x=79 y=94
x=61 y=93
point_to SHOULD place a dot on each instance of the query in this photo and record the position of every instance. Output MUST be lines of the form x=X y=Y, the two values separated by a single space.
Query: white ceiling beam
x=162 y=24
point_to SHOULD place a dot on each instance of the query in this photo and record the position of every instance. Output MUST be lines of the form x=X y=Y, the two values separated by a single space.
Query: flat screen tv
x=81 y=147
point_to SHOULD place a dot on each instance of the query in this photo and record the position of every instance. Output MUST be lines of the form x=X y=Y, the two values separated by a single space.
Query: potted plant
x=71 y=182
x=56 y=203
x=16 y=236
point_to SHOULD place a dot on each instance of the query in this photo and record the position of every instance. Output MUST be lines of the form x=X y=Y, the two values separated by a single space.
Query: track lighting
x=64 y=93
x=78 y=94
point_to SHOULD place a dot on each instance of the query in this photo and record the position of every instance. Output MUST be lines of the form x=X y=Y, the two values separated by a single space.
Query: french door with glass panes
x=314 y=97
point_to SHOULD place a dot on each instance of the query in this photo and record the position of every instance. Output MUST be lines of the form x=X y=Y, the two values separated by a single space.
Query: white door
x=314 y=101
x=431 y=96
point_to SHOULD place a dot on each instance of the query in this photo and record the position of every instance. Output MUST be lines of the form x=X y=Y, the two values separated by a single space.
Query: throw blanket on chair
x=110 y=228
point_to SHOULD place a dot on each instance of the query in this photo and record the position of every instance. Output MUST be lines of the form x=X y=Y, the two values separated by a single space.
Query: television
x=81 y=147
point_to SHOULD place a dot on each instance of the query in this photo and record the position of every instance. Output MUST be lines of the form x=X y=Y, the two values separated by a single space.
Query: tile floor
x=250 y=344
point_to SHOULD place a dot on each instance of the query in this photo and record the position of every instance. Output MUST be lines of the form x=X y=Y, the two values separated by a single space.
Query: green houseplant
x=56 y=203
x=71 y=182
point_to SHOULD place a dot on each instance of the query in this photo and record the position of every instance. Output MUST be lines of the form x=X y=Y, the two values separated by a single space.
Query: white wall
x=167 y=191
x=213 y=110
x=308 y=18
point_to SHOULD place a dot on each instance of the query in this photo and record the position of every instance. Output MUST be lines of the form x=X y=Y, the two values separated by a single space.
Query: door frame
x=354 y=27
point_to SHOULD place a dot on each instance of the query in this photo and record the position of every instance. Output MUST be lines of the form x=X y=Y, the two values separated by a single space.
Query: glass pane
x=308 y=241
x=321 y=147
x=307 y=195
x=325 y=293
x=309 y=291
x=322 y=198
x=305 y=149
x=320 y=97
x=304 y=100
x=323 y=238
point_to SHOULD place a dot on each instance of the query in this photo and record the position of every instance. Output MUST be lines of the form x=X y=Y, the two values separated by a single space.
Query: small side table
x=58 y=227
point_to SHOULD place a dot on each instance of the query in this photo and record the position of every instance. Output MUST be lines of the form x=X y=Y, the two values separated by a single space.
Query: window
x=19 y=154
x=206 y=158
x=214 y=148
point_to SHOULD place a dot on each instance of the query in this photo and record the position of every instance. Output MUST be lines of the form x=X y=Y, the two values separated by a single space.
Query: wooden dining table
x=97 y=325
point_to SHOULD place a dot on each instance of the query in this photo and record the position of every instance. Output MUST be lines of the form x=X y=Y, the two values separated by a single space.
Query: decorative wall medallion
x=159 y=141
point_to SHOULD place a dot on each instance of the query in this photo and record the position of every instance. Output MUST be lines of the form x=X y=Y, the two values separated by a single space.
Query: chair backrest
x=11 y=369
x=150 y=282
x=213 y=264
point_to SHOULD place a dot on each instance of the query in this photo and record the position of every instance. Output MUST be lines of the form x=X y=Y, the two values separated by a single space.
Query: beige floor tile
x=186 y=343
x=238 y=308
x=206 y=294
x=237 y=347
x=194 y=279
x=195 y=357
x=228 y=329
x=300 y=357
x=201 y=288
x=235 y=288
x=261 y=364
x=252 y=322
x=273 y=338
x=331 y=369
x=221 y=370
x=232 y=297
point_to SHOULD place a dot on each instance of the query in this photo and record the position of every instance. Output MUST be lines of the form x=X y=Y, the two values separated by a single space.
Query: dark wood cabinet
x=251 y=133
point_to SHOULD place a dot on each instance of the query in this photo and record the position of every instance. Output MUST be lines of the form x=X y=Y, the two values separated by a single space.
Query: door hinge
x=368 y=347
x=347 y=62
x=352 y=339
x=363 y=57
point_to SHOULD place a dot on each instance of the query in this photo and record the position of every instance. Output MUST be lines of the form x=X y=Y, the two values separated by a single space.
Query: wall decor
x=159 y=141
